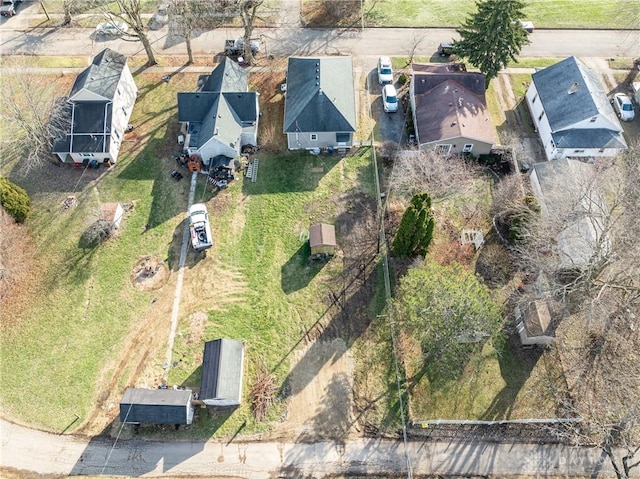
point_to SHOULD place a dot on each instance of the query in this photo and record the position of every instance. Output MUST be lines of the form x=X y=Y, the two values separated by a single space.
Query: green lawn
x=543 y=13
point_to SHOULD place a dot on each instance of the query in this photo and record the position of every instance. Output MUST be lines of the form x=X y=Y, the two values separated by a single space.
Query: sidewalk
x=45 y=453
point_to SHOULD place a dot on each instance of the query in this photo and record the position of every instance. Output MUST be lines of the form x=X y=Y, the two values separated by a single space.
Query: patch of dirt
x=321 y=384
x=17 y=249
x=149 y=274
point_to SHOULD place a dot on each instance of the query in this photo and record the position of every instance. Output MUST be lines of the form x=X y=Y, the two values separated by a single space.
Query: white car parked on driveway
x=623 y=107
x=385 y=71
x=389 y=99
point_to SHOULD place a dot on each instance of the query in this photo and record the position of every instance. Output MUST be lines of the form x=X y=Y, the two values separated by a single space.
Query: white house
x=100 y=105
x=572 y=113
x=220 y=117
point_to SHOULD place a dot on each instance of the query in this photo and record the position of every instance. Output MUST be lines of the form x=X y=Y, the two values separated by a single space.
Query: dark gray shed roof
x=571 y=92
x=222 y=366
x=320 y=95
x=156 y=406
x=103 y=75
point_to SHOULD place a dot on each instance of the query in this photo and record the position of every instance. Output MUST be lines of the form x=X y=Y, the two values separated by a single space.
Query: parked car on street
x=236 y=47
x=445 y=49
x=389 y=99
x=385 y=70
x=8 y=7
x=111 y=29
x=623 y=107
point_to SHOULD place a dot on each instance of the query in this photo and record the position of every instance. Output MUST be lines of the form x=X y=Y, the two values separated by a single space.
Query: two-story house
x=572 y=113
x=100 y=104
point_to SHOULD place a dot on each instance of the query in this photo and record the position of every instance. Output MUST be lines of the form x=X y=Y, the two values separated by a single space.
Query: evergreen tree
x=416 y=228
x=492 y=36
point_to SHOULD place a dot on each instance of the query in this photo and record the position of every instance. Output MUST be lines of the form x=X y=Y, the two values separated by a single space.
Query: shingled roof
x=450 y=103
x=320 y=95
x=102 y=76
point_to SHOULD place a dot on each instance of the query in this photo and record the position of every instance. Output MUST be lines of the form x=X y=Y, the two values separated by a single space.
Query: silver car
x=112 y=29
x=623 y=107
x=389 y=99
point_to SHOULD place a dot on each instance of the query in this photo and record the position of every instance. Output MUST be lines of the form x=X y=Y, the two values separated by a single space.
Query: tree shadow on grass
x=516 y=365
x=299 y=270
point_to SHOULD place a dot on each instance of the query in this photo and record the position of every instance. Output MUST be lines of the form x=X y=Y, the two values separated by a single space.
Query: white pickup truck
x=199 y=227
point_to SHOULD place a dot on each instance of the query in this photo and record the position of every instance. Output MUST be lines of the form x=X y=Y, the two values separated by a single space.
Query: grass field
x=543 y=13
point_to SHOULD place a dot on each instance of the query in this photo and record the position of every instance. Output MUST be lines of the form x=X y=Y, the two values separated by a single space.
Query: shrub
x=14 y=200
x=416 y=228
x=96 y=233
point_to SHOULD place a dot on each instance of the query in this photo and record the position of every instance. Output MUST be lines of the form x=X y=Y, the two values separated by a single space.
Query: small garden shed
x=156 y=406
x=322 y=240
x=112 y=213
x=222 y=369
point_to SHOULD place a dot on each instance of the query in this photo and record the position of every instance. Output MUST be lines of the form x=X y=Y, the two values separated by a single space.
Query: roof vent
x=215 y=132
x=460 y=101
x=574 y=88
x=320 y=92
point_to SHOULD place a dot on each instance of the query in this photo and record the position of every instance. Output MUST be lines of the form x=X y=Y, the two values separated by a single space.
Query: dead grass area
x=267 y=81
x=325 y=13
x=15 y=265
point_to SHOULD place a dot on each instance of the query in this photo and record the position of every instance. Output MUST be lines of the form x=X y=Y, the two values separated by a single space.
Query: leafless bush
x=418 y=171
x=263 y=394
x=96 y=234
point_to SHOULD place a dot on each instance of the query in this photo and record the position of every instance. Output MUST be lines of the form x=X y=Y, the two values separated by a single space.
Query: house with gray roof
x=320 y=103
x=100 y=105
x=222 y=371
x=449 y=109
x=156 y=406
x=572 y=113
x=221 y=117
x=566 y=195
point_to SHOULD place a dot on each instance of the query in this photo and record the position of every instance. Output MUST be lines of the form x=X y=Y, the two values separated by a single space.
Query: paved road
x=45 y=453
x=18 y=35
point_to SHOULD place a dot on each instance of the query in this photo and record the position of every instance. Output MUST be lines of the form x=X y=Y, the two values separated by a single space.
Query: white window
x=593 y=119
x=89 y=155
x=534 y=99
x=467 y=148
x=443 y=149
x=115 y=132
x=578 y=151
x=541 y=115
x=314 y=137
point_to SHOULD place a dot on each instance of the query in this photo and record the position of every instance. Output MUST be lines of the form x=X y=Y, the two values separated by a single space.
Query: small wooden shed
x=156 y=406
x=112 y=212
x=322 y=239
x=533 y=322
x=222 y=369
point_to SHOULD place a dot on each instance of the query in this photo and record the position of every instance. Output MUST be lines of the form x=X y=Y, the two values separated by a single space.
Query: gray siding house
x=449 y=109
x=220 y=117
x=320 y=103
x=100 y=105
x=572 y=113
x=222 y=370
x=156 y=406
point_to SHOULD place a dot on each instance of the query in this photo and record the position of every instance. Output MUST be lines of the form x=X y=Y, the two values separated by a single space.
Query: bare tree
x=416 y=39
x=34 y=117
x=188 y=16
x=248 y=10
x=130 y=12
x=417 y=171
